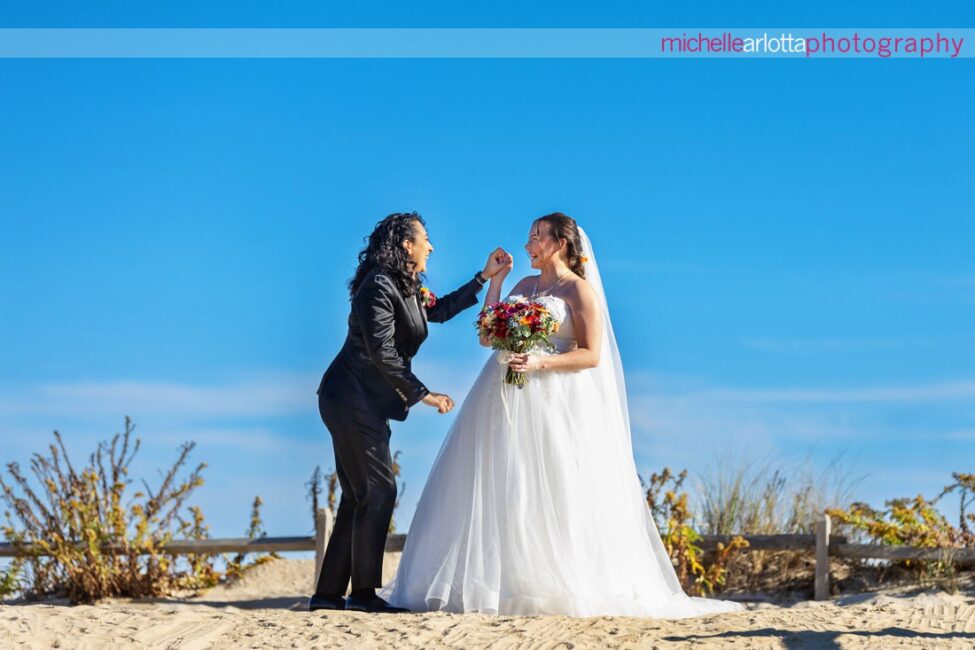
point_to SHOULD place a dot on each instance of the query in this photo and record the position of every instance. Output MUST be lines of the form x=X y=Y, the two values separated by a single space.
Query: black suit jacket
x=373 y=370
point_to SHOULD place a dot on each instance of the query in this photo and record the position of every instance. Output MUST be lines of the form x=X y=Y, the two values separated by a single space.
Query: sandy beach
x=265 y=609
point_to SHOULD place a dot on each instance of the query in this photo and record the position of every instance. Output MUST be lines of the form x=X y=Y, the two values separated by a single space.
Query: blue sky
x=787 y=245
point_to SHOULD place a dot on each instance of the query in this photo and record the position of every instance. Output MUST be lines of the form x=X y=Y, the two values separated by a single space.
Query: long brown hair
x=562 y=226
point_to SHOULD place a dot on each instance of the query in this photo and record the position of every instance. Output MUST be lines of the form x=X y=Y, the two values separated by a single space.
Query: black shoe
x=325 y=602
x=375 y=605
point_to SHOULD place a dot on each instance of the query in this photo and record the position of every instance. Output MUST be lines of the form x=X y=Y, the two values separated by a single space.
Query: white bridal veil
x=613 y=387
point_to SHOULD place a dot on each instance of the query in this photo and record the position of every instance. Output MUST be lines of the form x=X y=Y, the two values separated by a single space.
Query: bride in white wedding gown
x=533 y=505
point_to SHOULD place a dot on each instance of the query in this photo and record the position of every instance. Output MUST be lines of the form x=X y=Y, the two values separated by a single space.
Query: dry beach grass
x=264 y=609
x=260 y=602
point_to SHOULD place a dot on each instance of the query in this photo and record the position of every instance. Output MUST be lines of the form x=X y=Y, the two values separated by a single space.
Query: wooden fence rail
x=195 y=546
x=823 y=544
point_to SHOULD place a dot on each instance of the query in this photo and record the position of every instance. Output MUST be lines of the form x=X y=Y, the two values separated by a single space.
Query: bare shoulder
x=579 y=290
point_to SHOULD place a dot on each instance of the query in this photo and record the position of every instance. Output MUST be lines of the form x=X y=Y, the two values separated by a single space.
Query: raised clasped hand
x=499 y=263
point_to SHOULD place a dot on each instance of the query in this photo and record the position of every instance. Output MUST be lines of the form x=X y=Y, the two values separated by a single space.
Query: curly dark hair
x=562 y=226
x=384 y=250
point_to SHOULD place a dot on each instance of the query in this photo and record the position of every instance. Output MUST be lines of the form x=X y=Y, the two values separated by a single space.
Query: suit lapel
x=423 y=316
x=419 y=322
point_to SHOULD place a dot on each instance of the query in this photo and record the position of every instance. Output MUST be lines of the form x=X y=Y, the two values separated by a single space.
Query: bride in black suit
x=370 y=382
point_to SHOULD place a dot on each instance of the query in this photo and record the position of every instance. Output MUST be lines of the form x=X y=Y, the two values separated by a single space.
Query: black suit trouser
x=365 y=472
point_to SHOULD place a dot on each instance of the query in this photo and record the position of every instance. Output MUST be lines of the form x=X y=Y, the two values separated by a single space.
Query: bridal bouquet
x=516 y=325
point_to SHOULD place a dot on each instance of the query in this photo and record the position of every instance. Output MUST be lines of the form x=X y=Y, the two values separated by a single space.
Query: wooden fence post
x=821 y=589
x=323 y=529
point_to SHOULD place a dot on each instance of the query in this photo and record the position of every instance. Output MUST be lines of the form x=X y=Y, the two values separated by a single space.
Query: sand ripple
x=265 y=611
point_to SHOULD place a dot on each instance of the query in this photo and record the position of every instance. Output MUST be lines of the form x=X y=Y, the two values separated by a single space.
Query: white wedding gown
x=534 y=506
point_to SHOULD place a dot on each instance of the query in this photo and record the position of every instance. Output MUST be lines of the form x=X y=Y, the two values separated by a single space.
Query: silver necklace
x=536 y=293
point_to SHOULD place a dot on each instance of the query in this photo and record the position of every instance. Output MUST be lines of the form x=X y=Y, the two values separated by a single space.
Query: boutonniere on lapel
x=427 y=298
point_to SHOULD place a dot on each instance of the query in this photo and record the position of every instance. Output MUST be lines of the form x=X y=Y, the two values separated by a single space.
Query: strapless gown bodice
x=565 y=339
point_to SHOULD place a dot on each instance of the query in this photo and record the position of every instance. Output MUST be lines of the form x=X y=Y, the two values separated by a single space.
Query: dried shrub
x=699 y=574
x=10 y=578
x=964 y=485
x=316 y=485
x=83 y=536
x=237 y=565
x=916 y=521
